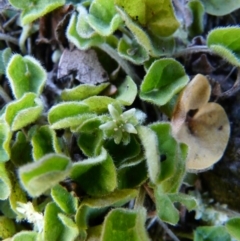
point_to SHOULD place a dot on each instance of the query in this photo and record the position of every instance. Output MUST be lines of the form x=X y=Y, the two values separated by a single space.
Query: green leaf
x=123 y=224
x=24 y=111
x=76 y=39
x=150 y=145
x=90 y=143
x=7 y=227
x=32 y=10
x=165 y=208
x=188 y=201
x=44 y=141
x=126 y=92
x=103 y=17
x=5 y=55
x=232 y=226
x=68 y=114
x=99 y=104
x=82 y=92
x=218 y=233
x=5 y=182
x=132 y=51
x=21 y=150
x=5 y=139
x=132 y=176
x=197 y=10
x=97 y=175
x=220 y=7
x=40 y=176
x=64 y=199
x=157 y=18
x=224 y=42
x=91 y=208
x=164 y=79
x=25 y=236
x=25 y=74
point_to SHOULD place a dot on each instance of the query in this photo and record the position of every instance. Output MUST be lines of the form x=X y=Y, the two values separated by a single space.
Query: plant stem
x=192 y=50
x=4 y=95
x=140 y=198
x=7 y=38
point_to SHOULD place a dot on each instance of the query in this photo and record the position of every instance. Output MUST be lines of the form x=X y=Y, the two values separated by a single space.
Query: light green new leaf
x=197 y=10
x=103 y=17
x=124 y=224
x=40 y=176
x=25 y=236
x=126 y=92
x=163 y=80
x=224 y=42
x=5 y=182
x=32 y=10
x=90 y=208
x=5 y=139
x=82 y=92
x=68 y=114
x=150 y=144
x=25 y=74
x=97 y=175
x=99 y=104
x=218 y=233
x=232 y=226
x=44 y=141
x=165 y=208
x=188 y=201
x=21 y=150
x=24 y=111
x=65 y=200
x=220 y=7
x=76 y=39
x=7 y=227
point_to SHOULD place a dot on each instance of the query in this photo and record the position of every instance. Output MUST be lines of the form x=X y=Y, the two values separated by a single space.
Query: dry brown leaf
x=207 y=131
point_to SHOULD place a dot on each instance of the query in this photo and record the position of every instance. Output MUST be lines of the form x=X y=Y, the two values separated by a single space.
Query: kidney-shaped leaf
x=97 y=175
x=7 y=228
x=232 y=226
x=40 y=176
x=25 y=74
x=24 y=111
x=25 y=236
x=224 y=41
x=5 y=139
x=164 y=79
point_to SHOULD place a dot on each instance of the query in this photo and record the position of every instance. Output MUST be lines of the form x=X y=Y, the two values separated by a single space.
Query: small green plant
x=77 y=165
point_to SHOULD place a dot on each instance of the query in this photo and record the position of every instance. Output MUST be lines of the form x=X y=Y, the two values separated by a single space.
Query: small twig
x=140 y=198
x=149 y=192
x=168 y=231
x=10 y=21
x=7 y=38
x=153 y=220
x=4 y=95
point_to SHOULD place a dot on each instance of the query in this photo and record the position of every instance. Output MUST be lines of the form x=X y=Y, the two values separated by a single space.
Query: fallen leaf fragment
x=203 y=126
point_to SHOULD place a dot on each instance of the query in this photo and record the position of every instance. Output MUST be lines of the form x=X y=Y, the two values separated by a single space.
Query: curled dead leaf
x=203 y=126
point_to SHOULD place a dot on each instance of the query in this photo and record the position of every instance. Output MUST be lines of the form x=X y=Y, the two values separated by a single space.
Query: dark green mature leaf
x=97 y=175
x=5 y=139
x=5 y=55
x=164 y=79
x=127 y=91
x=44 y=141
x=68 y=114
x=65 y=200
x=232 y=226
x=25 y=74
x=213 y=233
x=24 y=111
x=150 y=145
x=25 y=236
x=21 y=151
x=5 y=182
x=32 y=10
x=91 y=208
x=7 y=227
x=76 y=39
x=103 y=17
x=220 y=7
x=82 y=92
x=123 y=224
x=40 y=176
x=224 y=42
